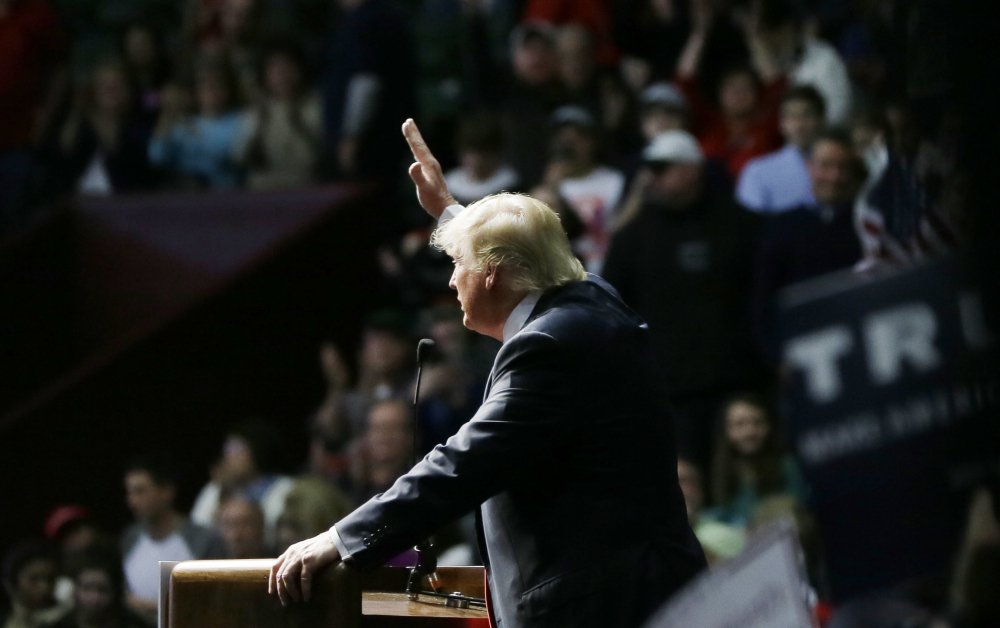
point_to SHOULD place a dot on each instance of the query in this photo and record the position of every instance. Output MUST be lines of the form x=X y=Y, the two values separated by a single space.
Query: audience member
x=742 y=122
x=650 y=34
x=101 y=147
x=585 y=191
x=815 y=239
x=148 y=65
x=159 y=532
x=481 y=169
x=99 y=594
x=240 y=522
x=663 y=108
x=32 y=44
x=250 y=466
x=385 y=450
x=368 y=89
x=684 y=262
x=198 y=149
x=330 y=427
x=533 y=92
x=281 y=144
x=805 y=59
x=591 y=86
x=779 y=181
x=748 y=464
x=29 y=576
x=458 y=63
x=594 y=15
x=719 y=540
x=310 y=506
x=385 y=365
x=72 y=529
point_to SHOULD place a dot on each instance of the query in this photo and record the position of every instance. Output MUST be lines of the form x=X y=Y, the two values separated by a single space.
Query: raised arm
x=426 y=173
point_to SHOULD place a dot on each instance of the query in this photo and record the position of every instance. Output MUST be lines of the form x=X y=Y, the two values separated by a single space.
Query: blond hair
x=520 y=233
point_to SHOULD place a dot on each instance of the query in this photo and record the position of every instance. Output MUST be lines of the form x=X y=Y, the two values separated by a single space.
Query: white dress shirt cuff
x=449 y=212
x=341 y=547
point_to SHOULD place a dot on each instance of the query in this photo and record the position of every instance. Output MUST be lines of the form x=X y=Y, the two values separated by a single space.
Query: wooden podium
x=233 y=593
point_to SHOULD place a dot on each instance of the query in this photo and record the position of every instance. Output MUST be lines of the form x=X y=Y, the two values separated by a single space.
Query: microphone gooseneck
x=426 y=558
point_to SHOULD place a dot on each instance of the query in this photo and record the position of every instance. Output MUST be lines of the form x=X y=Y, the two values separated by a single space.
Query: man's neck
x=162 y=527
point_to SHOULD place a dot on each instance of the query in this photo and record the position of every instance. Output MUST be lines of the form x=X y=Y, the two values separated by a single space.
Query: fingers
x=416 y=141
x=416 y=172
x=272 y=576
x=305 y=579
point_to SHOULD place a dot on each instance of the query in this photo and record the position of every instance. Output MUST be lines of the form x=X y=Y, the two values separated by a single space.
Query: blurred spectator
x=481 y=170
x=73 y=531
x=719 y=540
x=742 y=123
x=230 y=32
x=99 y=598
x=906 y=208
x=240 y=523
x=748 y=464
x=684 y=263
x=368 y=89
x=311 y=506
x=31 y=47
x=385 y=451
x=198 y=149
x=330 y=428
x=807 y=60
x=815 y=239
x=664 y=108
x=585 y=191
x=29 y=575
x=159 y=532
x=101 y=147
x=532 y=93
x=458 y=64
x=779 y=181
x=650 y=34
x=453 y=379
x=594 y=15
x=591 y=86
x=148 y=65
x=249 y=466
x=282 y=141
x=385 y=365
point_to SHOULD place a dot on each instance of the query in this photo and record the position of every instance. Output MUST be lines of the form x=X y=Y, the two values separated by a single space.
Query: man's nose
x=451 y=280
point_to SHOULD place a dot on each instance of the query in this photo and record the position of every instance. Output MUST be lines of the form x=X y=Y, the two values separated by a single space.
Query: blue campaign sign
x=890 y=394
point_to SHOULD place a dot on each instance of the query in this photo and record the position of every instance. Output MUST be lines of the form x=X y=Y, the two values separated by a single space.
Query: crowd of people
x=702 y=155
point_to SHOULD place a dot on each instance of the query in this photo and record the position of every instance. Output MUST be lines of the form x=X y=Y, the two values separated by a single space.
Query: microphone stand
x=426 y=556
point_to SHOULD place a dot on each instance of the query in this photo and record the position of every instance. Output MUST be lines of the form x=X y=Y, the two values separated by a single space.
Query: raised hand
x=426 y=173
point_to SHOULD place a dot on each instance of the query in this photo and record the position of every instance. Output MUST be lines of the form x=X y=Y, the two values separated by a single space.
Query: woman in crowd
x=29 y=578
x=281 y=145
x=100 y=146
x=748 y=464
x=99 y=594
x=198 y=149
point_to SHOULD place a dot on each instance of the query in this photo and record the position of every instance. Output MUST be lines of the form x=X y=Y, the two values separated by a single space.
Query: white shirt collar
x=519 y=315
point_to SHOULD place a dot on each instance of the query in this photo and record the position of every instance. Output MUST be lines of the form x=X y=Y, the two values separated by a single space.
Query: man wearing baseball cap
x=684 y=262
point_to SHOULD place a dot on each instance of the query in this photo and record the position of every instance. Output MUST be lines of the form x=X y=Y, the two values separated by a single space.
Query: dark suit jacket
x=571 y=461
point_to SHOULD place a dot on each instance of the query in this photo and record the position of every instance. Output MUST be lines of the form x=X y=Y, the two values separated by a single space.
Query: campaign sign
x=889 y=395
x=763 y=587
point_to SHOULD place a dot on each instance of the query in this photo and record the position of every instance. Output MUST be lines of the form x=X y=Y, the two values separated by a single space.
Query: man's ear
x=491 y=276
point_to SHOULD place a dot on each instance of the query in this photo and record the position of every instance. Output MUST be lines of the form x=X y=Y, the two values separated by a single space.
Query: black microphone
x=426 y=557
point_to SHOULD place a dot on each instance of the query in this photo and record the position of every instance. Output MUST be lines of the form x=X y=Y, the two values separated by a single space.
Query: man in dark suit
x=570 y=460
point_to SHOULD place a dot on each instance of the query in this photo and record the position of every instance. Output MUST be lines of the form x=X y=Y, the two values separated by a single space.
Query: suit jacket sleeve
x=501 y=446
